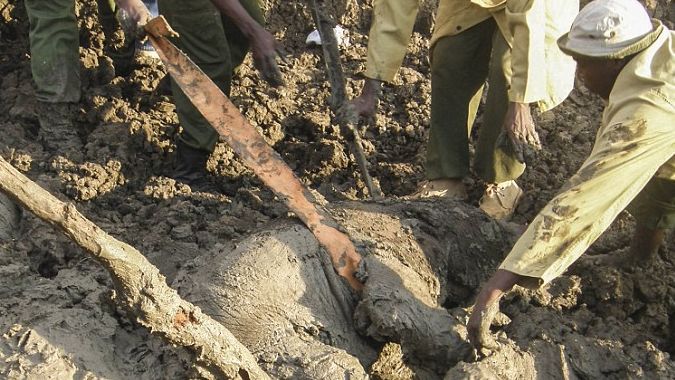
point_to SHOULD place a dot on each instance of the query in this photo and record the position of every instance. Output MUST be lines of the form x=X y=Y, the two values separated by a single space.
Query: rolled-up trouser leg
x=54 y=49
x=495 y=159
x=203 y=39
x=239 y=44
x=459 y=67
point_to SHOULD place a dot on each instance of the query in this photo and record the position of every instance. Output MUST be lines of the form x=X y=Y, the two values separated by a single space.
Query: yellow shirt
x=539 y=72
x=390 y=31
x=635 y=142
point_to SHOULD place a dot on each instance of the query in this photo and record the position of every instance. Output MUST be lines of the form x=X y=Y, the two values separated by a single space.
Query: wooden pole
x=338 y=93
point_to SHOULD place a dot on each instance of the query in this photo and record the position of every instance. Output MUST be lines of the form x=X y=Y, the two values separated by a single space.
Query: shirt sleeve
x=526 y=22
x=625 y=157
x=392 y=25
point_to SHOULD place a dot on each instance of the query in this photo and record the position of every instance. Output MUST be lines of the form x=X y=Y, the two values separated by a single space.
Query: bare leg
x=646 y=243
x=642 y=252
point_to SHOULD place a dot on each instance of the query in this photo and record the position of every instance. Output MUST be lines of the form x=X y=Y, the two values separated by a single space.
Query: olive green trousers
x=54 y=50
x=211 y=40
x=217 y=46
x=460 y=65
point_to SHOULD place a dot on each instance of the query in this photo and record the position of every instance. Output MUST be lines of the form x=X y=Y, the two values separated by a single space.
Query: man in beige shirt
x=627 y=59
x=511 y=43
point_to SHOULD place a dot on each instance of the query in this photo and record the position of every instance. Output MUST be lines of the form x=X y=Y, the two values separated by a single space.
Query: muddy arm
x=141 y=288
x=486 y=307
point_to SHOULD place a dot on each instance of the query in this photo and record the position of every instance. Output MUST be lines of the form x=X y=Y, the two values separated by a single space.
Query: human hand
x=365 y=104
x=478 y=327
x=520 y=129
x=486 y=308
x=265 y=49
x=132 y=15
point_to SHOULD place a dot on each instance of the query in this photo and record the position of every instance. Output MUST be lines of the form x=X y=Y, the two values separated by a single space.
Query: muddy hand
x=265 y=49
x=132 y=15
x=349 y=270
x=520 y=129
x=485 y=309
x=478 y=328
x=365 y=104
x=269 y=70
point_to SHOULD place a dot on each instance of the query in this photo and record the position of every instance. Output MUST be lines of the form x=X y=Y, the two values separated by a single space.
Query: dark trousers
x=216 y=46
x=54 y=49
x=460 y=65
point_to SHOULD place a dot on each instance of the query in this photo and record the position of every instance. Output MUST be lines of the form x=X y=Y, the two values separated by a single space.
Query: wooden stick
x=141 y=288
x=338 y=93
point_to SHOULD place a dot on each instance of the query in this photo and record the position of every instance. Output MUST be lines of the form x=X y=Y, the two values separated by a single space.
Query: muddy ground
x=58 y=317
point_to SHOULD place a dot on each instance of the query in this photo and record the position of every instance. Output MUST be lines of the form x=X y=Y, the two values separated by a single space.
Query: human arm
x=526 y=23
x=389 y=35
x=388 y=40
x=625 y=157
x=263 y=45
x=487 y=306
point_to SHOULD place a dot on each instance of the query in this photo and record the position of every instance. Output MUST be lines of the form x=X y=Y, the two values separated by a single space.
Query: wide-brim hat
x=610 y=29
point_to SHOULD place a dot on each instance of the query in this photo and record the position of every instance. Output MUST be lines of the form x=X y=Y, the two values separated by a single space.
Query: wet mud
x=239 y=254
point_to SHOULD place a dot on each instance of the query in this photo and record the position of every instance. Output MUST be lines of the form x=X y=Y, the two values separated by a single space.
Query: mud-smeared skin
x=251 y=148
x=608 y=323
x=273 y=292
x=403 y=297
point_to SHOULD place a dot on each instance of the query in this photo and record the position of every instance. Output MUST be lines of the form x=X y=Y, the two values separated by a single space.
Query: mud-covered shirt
x=635 y=142
x=538 y=72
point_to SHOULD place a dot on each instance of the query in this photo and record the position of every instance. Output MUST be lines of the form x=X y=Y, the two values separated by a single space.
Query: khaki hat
x=611 y=29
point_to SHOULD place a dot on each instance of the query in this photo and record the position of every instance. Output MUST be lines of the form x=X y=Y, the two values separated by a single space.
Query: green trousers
x=54 y=49
x=214 y=43
x=460 y=65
